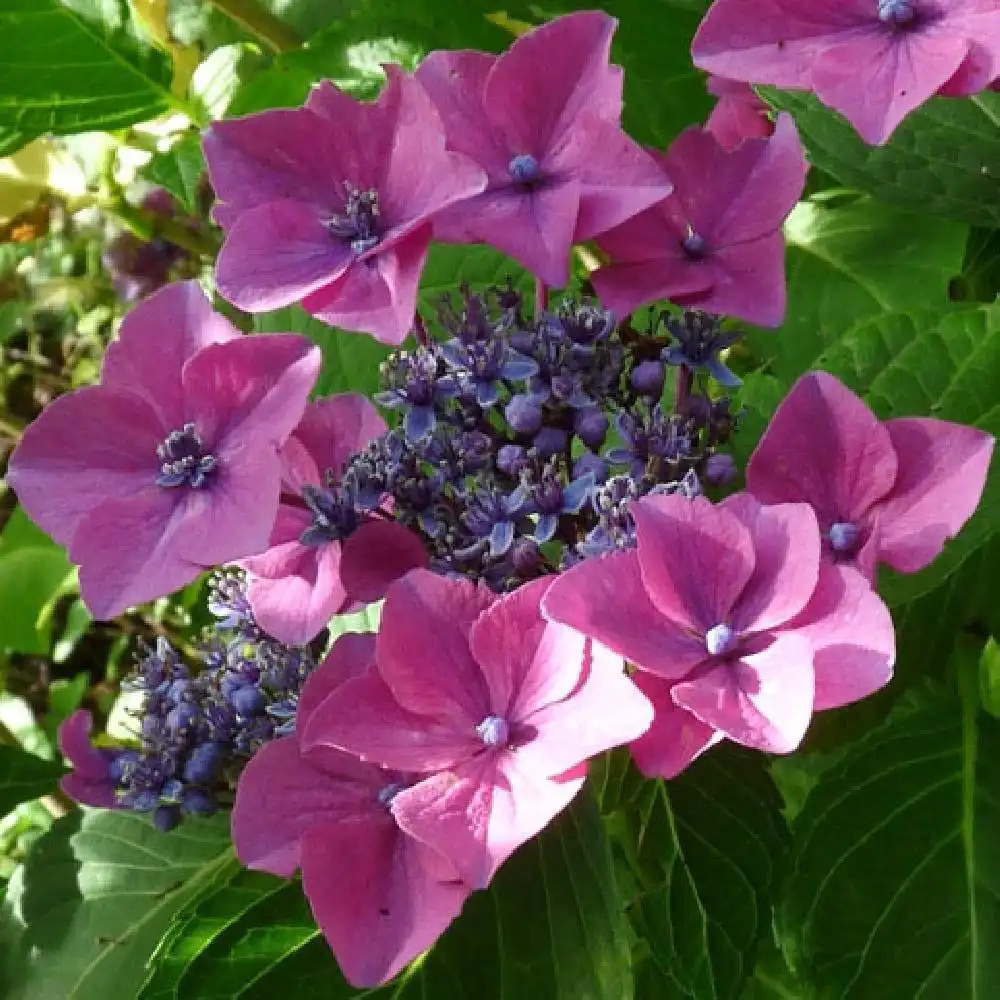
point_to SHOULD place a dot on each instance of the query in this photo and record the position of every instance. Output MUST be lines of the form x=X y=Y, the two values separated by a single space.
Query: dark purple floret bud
x=720 y=469
x=358 y=223
x=647 y=379
x=699 y=341
x=584 y=323
x=524 y=169
x=550 y=441
x=523 y=415
x=165 y=818
x=334 y=515
x=525 y=556
x=511 y=459
x=197 y=802
x=591 y=426
x=248 y=700
x=896 y=12
x=694 y=246
x=843 y=537
x=184 y=460
x=589 y=464
x=203 y=764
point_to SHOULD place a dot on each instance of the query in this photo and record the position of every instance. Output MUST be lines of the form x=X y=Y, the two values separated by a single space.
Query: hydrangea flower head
x=716 y=604
x=910 y=50
x=329 y=204
x=543 y=121
x=715 y=243
x=169 y=465
x=379 y=896
x=890 y=492
x=496 y=707
x=326 y=550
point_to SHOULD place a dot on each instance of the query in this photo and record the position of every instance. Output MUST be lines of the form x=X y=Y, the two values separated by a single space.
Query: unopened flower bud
x=720 y=469
x=523 y=415
x=591 y=426
x=647 y=378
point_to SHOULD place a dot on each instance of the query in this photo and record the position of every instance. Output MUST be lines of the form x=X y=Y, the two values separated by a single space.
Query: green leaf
x=88 y=907
x=73 y=66
x=707 y=849
x=365 y=34
x=30 y=579
x=24 y=777
x=350 y=360
x=850 y=260
x=179 y=171
x=944 y=159
x=449 y=266
x=895 y=885
x=550 y=927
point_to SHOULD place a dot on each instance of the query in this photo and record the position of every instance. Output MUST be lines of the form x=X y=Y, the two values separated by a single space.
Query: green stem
x=260 y=22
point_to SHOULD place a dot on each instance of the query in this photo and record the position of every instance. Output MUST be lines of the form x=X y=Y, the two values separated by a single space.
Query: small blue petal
x=501 y=538
x=546 y=528
x=517 y=368
x=717 y=369
x=487 y=393
x=576 y=494
x=419 y=423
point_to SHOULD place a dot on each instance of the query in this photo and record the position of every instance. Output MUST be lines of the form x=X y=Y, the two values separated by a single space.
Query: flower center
x=183 y=459
x=719 y=639
x=524 y=169
x=334 y=515
x=694 y=246
x=494 y=731
x=896 y=12
x=358 y=224
x=843 y=536
x=388 y=792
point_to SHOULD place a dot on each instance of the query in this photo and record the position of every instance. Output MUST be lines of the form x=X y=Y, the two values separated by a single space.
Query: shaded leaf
x=24 y=777
x=179 y=171
x=88 y=907
x=707 y=849
x=895 y=886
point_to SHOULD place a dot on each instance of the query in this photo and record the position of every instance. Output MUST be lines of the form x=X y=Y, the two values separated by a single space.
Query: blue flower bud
x=720 y=469
x=550 y=441
x=248 y=700
x=523 y=415
x=647 y=379
x=591 y=426
x=203 y=764
x=511 y=459
x=166 y=818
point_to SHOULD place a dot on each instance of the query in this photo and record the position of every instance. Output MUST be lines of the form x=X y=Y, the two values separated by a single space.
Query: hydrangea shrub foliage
x=588 y=474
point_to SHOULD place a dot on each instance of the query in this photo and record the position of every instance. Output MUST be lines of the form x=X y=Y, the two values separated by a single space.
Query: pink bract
x=891 y=492
x=379 y=896
x=90 y=782
x=330 y=204
x=730 y=609
x=295 y=588
x=88 y=470
x=909 y=50
x=715 y=243
x=542 y=120
x=496 y=707
x=738 y=114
